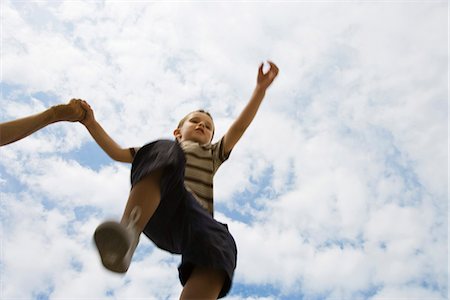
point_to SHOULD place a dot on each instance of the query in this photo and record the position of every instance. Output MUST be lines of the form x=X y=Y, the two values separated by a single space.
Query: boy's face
x=198 y=127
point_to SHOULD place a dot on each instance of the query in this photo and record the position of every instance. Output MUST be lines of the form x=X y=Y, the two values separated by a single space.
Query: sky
x=338 y=189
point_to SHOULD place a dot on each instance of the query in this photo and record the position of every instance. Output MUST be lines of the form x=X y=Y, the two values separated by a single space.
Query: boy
x=171 y=198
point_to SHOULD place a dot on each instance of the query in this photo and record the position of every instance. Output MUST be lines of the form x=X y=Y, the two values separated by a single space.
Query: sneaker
x=116 y=242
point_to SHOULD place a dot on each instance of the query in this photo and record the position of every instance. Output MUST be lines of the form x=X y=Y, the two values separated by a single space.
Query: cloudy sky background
x=338 y=190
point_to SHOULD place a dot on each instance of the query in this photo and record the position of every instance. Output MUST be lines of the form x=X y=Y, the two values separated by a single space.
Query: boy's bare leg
x=116 y=242
x=204 y=283
x=18 y=129
x=146 y=194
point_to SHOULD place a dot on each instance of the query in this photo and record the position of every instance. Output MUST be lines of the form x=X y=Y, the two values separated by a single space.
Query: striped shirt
x=202 y=162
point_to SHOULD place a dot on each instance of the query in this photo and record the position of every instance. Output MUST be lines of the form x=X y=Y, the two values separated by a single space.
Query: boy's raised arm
x=108 y=145
x=237 y=129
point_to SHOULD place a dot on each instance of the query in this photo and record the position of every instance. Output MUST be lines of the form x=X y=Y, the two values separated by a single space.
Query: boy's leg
x=116 y=242
x=204 y=283
x=146 y=195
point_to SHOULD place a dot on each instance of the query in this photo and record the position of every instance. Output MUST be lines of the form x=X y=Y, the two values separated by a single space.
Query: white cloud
x=408 y=292
x=74 y=11
x=67 y=184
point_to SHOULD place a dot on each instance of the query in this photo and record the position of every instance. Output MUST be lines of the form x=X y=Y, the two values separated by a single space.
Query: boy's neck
x=193 y=141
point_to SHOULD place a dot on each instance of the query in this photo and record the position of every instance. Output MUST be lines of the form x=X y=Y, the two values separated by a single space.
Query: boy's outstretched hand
x=265 y=80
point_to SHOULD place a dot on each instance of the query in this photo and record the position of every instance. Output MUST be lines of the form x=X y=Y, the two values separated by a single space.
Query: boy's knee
x=204 y=283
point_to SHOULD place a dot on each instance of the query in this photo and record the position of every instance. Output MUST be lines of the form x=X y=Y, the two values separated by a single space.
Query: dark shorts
x=180 y=225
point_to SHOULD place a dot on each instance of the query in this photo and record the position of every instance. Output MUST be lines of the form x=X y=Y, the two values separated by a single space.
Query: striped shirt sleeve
x=133 y=151
x=218 y=154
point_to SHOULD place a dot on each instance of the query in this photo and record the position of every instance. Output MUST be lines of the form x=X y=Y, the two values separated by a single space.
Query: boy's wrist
x=260 y=89
x=89 y=124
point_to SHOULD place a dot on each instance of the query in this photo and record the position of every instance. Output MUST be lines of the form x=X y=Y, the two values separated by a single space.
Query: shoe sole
x=112 y=244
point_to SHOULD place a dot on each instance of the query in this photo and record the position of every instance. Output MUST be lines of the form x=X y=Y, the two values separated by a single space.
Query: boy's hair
x=200 y=111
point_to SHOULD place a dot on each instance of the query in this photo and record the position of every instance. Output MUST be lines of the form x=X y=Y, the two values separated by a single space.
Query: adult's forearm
x=18 y=129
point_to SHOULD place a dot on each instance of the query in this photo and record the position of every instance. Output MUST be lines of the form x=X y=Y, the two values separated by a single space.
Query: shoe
x=116 y=242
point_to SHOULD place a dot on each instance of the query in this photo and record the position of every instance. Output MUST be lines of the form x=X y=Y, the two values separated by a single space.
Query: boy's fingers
x=85 y=104
x=273 y=66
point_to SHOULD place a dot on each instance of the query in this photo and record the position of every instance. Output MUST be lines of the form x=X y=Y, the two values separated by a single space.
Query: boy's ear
x=177 y=133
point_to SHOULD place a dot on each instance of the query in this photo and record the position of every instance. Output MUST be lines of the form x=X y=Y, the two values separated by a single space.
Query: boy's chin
x=193 y=139
x=200 y=141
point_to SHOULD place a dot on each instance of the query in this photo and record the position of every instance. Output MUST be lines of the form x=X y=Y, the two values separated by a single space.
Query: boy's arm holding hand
x=239 y=126
x=108 y=145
